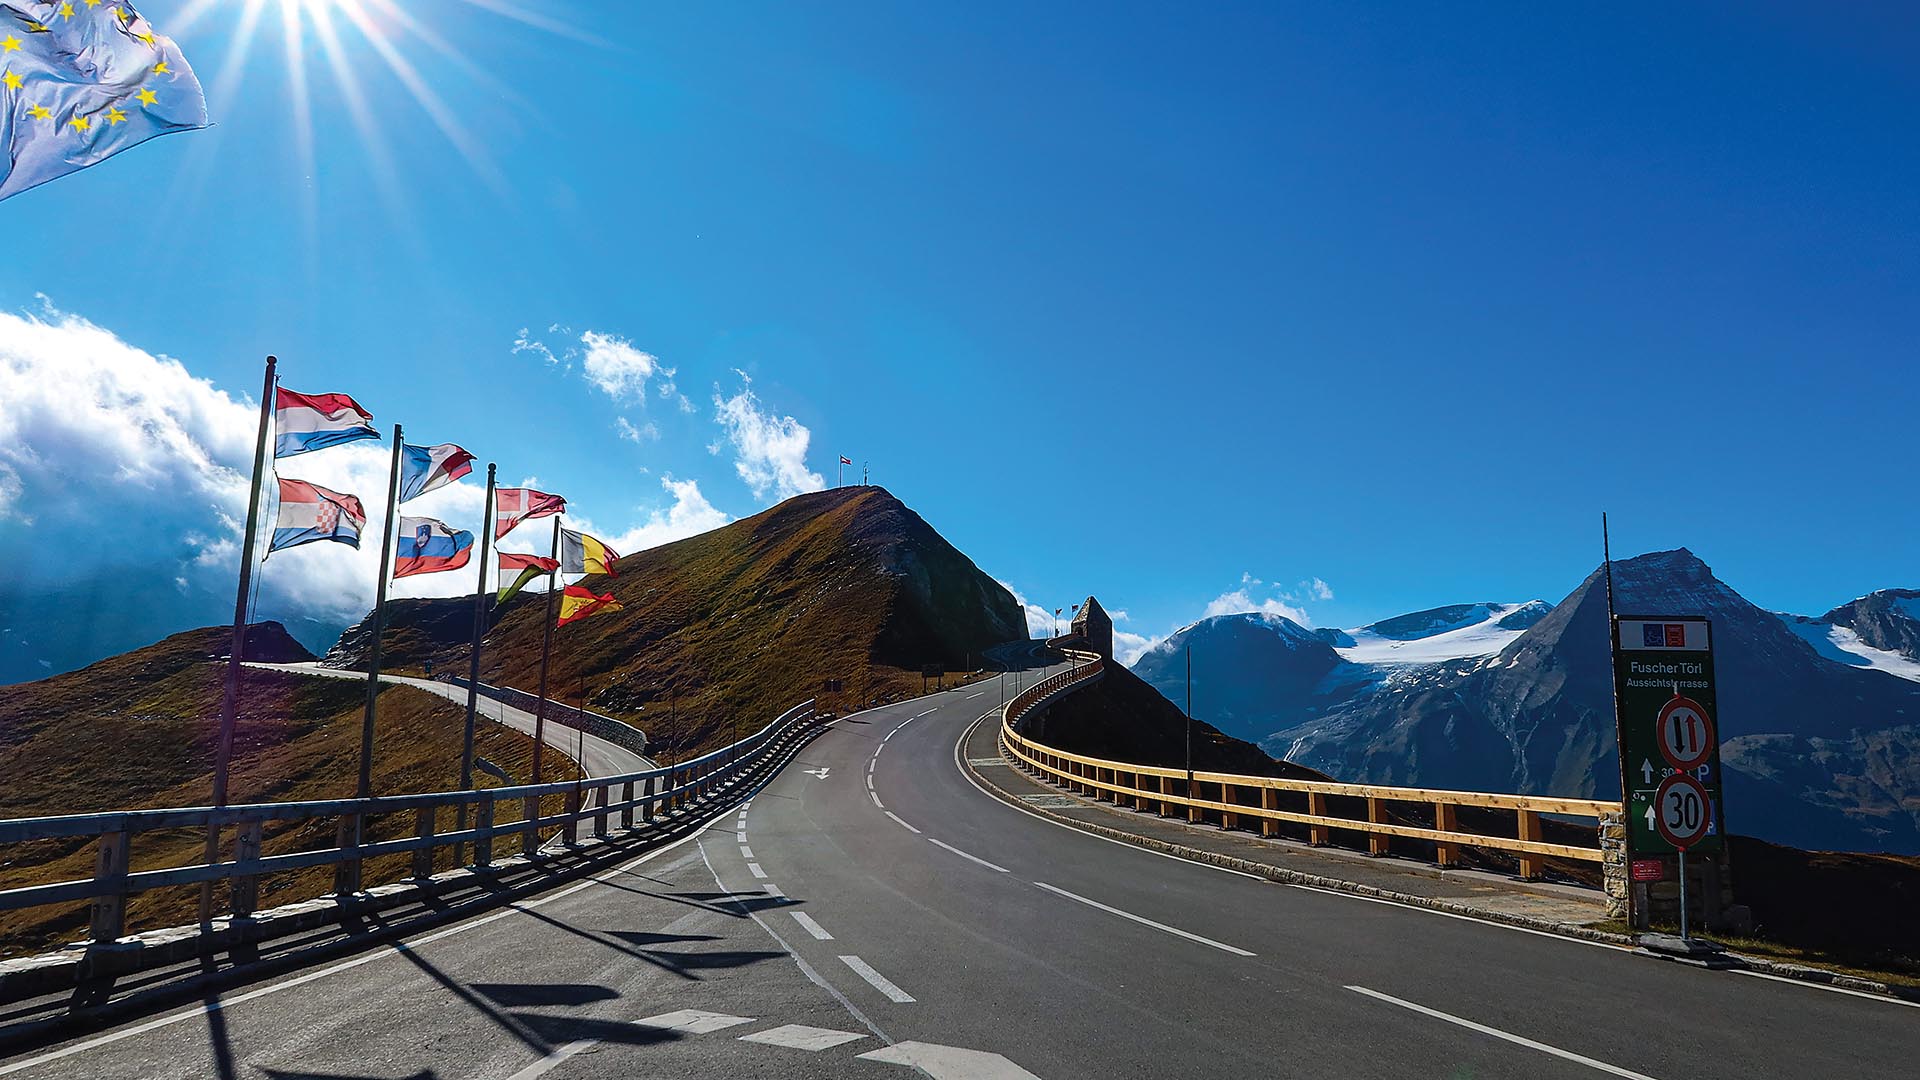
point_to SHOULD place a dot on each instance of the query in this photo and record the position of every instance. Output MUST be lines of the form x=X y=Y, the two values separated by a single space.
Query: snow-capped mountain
x=1821 y=746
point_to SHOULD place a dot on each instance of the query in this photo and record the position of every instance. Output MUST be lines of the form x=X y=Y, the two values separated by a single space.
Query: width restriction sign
x=1669 y=742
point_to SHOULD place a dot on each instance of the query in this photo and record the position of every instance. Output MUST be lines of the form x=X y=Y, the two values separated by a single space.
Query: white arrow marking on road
x=819 y=773
x=950 y=1062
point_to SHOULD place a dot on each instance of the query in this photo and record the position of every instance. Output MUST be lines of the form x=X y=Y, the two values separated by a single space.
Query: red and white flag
x=845 y=460
x=514 y=505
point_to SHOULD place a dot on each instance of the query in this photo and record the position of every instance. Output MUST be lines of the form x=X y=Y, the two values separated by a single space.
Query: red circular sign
x=1682 y=810
x=1686 y=733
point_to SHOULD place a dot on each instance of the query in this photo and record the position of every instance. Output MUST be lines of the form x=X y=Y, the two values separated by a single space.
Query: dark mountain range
x=1888 y=620
x=1818 y=754
x=1255 y=673
x=738 y=623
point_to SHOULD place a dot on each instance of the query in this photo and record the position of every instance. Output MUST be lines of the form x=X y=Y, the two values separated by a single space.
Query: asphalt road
x=871 y=901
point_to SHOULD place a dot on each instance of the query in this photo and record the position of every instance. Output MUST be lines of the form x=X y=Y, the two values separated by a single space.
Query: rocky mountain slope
x=738 y=623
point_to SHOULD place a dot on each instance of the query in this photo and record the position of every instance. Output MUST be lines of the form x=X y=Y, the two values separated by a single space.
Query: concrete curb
x=1295 y=877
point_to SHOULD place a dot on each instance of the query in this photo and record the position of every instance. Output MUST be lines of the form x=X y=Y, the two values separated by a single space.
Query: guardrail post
x=600 y=819
x=1446 y=818
x=424 y=823
x=1166 y=791
x=1377 y=815
x=1269 y=800
x=1132 y=797
x=1229 y=819
x=1531 y=865
x=626 y=807
x=647 y=808
x=346 y=873
x=1318 y=835
x=108 y=920
x=246 y=886
x=530 y=821
x=483 y=821
x=573 y=824
x=1194 y=813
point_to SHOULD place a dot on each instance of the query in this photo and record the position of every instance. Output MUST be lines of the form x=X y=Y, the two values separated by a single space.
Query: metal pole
x=365 y=787
x=546 y=655
x=230 y=695
x=473 y=662
x=1189 y=791
x=1619 y=722
x=1683 y=894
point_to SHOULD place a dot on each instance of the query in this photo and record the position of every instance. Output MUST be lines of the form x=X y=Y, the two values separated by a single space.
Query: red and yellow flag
x=578 y=602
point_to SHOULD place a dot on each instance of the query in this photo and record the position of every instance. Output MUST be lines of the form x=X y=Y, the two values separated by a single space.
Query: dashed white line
x=877 y=749
x=869 y=781
x=548 y=1063
x=876 y=799
x=741 y=836
x=746 y=852
x=754 y=869
x=1144 y=921
x=774 y=890
x=901 y=822
x=806 y=923
x=878 y=981
x=962 y=854
x=871 y=764
x=1517 y=1040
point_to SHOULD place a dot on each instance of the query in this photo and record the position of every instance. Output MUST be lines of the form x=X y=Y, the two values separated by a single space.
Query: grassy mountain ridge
x=738 y=623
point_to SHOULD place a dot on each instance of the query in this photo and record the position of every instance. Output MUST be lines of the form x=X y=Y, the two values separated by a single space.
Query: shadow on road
x=520 y=995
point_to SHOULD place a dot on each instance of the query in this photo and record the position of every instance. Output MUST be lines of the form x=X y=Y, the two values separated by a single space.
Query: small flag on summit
x=530 y=567
x=512 y=506
x=305 y=422
x=423 y=468
x=79 y=83
x=578 y=602
x=309 y=512
x=428 y=546
x=845 y=460
x=582 y=554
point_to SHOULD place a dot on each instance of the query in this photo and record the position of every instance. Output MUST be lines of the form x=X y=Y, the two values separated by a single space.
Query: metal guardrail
x=650 y=793
x=1124 y=783
x=600 y=726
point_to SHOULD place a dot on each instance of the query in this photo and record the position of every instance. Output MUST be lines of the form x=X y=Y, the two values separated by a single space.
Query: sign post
x=1670 y=749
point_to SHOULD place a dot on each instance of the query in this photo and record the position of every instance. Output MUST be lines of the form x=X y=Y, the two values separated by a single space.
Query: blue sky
x=1147 y=301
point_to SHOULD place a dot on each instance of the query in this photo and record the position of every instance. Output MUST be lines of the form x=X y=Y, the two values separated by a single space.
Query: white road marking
x=694 y=1021
x=879 y=982
x=547 y=1064
x=876 y=799
x=746 y=852
x=1832 y=989
x=754 y=869
x=869 y=781
x=1144 y=921
x=1517 y=1040
x=917 y=716
x=877 y=749
x=871 y=764
x=802 y=1037
x=962 y=854
x=346 y=965
x=901 y=822
x=806 y=923
x=774 y=891
x=950 y=1062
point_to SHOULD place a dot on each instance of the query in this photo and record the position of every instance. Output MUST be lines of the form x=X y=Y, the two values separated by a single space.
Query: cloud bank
x=770 y=452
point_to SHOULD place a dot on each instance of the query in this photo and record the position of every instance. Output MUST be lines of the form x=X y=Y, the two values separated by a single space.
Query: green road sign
x=1670 y=746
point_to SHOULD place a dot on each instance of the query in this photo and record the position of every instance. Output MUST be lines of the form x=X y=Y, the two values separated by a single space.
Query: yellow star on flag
x=80 y=123
x=9 y=44
x=161 y=68
x=13 y=81
x=114 y=115
x=147 y=97
x=66 y=11
x=39 y=112
x=91 y=4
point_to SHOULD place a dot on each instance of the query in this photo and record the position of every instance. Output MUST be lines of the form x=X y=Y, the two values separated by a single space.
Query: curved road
x=872 y=911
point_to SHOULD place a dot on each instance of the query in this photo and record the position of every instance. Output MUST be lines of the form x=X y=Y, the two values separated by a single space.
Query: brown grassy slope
x=741 y=622
x=137 y=730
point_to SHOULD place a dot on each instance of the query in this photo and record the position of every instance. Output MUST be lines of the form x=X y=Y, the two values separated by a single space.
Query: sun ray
x=431 y=38
x=508 y=10
x=294 y=45
x=385 y=176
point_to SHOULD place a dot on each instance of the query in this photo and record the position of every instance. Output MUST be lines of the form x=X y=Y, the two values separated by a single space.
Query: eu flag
x=82 y=80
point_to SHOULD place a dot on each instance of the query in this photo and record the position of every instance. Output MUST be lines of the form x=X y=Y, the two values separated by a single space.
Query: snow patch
x=1470 y=631
x=1842 y=646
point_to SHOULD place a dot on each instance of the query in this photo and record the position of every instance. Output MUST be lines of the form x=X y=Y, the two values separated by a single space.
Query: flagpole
x=365 y=787
x=473 y=663
x=546 y=654
x=230 y=697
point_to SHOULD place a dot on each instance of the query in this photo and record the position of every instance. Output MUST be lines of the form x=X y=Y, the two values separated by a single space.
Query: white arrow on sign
x=1646 y=771
x=820 y=773
x=1651 y=818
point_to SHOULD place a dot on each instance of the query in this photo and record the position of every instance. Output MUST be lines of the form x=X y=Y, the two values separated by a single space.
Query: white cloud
x=1316 y=589
x=620 y=370
x=524 y=343
x=1128 y=648
x=1241 y=600
x=646 y=432
x=770 y=452
x=1039 y=619
x=690 y=515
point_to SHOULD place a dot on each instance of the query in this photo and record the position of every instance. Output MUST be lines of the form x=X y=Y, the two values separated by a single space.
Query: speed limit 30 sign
x=1682 y=811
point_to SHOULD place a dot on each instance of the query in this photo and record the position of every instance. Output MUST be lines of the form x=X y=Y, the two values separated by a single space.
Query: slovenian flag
x=303 y=422
x=309 y=512
x=423 y=468
x=428 y=546
x=511 y=506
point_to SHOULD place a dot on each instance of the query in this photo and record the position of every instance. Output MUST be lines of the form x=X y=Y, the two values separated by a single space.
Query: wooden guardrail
x=650 y=794
x=1161 y=789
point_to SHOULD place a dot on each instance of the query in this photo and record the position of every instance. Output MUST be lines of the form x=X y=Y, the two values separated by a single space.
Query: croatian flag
x=423 y=468
x=428 y=546
x=309 y=512
x=303 y=422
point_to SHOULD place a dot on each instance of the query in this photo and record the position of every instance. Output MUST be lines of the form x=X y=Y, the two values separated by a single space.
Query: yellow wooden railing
x=1161 y=789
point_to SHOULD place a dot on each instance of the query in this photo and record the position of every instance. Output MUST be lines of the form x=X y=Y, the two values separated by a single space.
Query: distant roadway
x=872 y=911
